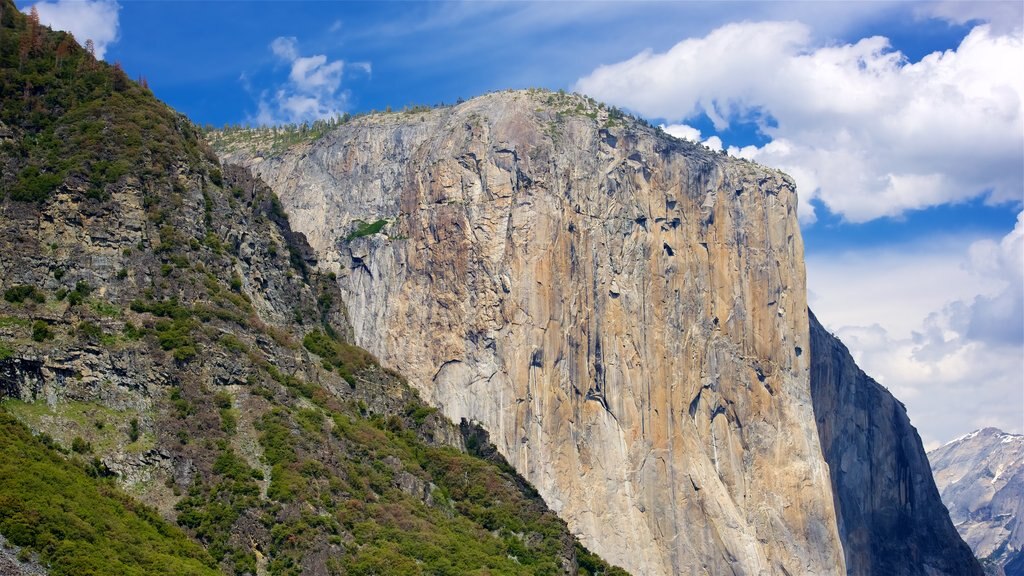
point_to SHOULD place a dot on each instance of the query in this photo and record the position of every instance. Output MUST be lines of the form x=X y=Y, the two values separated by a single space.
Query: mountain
x=178 y=389
x=981 y=479
x=626 y=312
x=891 y=518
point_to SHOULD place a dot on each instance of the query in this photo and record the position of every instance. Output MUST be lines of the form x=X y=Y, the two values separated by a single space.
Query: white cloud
x=312 y=91
x=365 y=67
x=1003 y=16
x=857 y=125
x=316 y=73
x=951 y=340
x=285 y=47
x=688 y=132
x=95 y=20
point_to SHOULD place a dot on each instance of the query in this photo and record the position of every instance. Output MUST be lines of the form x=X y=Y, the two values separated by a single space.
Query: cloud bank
x=858 y=126
x=95 y=20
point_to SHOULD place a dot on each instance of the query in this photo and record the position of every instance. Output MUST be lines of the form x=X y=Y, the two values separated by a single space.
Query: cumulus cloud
x=95 y=20
x=951 y=344
x=857 y=125
x=312 y=91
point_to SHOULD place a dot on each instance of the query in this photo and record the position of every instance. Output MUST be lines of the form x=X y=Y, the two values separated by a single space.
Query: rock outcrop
x=623 y=311
x=981 y=479
x=891 y=518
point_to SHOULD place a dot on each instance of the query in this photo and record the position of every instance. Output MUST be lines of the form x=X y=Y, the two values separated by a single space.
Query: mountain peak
x=980 y=476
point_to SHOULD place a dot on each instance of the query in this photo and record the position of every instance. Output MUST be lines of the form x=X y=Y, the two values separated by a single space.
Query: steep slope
x=84 y=524
x=624 y=311
x=981 y=479
x=891 y=518
x=164 y=325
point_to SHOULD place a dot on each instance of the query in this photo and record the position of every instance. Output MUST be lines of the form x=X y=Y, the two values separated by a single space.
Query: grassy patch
x=104 y=428
x=366 y=229
x=335 y=354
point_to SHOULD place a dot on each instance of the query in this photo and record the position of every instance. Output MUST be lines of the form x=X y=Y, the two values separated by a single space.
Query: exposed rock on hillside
x=624 y=311
x=890 y=516
x=162 y=327
x=981 y=479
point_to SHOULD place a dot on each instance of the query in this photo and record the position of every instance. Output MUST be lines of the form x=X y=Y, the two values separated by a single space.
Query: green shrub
x=41 y=331
x=80 y=446
x=89 y=331
x=233 y=344
x=35 y=186
x=20 y=293
x=80 y=293
x=348 y=359
x=185 y=353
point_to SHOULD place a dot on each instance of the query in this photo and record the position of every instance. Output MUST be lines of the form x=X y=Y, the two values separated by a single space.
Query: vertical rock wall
x=891 y=518
x=624 y=312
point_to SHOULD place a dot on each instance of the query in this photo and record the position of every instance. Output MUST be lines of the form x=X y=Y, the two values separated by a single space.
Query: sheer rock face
x=891 y=518
x=623 y=311
x=981 y=479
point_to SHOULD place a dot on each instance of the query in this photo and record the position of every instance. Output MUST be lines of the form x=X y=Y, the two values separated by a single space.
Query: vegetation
x=80 y=120
x=41 y=331
x=456 y=514
x=80 y=525
x=366 y=229
x=335 y=354
x=20 y=293
x=273 y=139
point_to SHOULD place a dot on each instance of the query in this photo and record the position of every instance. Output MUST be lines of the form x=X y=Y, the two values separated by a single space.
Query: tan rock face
x=624 y=312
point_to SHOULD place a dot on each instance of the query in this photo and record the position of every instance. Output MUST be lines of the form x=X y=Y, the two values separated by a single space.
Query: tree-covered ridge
x=67 y=118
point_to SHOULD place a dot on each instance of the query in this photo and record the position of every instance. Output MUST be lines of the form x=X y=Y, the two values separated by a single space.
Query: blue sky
x=901 y=122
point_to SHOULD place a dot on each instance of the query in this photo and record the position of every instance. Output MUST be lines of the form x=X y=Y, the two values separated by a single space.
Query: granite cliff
x=624 y=312
x=981 y=479
x=891 y=518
